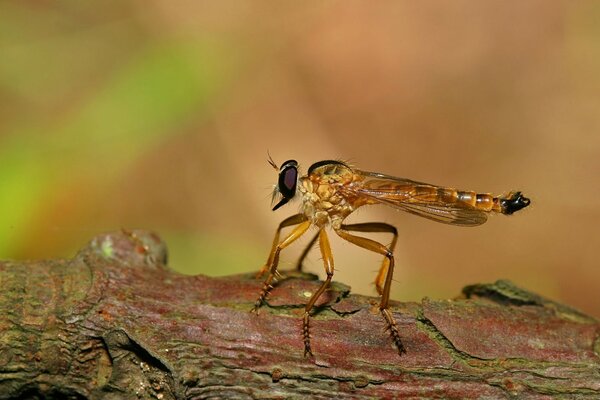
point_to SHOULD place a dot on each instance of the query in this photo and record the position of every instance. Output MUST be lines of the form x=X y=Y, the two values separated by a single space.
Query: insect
x=331 y=190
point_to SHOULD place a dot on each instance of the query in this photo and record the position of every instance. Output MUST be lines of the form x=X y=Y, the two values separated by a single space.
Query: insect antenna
x=270 y=161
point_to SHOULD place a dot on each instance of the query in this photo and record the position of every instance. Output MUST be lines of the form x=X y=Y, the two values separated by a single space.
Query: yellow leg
x=328 y=264
x=274 y=258
x=377 y=227
x=385 y=294
x=293 y=220
x=306 y=251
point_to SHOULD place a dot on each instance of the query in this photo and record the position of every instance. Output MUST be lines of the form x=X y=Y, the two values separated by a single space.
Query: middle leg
x=328 y=264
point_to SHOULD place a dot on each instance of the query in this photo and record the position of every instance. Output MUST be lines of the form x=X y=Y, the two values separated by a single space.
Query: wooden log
x=115 y=322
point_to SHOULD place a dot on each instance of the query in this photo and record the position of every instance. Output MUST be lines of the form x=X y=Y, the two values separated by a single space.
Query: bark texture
x=115 y=323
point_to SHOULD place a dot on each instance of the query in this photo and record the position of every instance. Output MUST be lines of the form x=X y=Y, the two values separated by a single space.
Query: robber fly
x=331 y=190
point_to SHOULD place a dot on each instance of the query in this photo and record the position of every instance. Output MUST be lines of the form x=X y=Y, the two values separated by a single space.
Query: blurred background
x=159 y=114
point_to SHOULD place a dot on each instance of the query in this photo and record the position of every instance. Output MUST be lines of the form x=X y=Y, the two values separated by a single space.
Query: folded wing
x=429 y=201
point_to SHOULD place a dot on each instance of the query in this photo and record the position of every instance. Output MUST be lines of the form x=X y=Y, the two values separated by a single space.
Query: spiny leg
x=377 y=227
x=293 y=220
x=274 y=261
x=362 y=227
x=306 y=251
x=377 y=247
x=328 y=264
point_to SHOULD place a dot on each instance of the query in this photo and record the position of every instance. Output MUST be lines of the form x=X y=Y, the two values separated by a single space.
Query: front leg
x=273 y=260
x=305 y=252
x=293 y=220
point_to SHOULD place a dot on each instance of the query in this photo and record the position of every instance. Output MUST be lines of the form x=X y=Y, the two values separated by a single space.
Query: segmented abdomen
x=514 y=201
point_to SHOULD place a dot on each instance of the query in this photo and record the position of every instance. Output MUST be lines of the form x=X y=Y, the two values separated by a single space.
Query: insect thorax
x=322 y=193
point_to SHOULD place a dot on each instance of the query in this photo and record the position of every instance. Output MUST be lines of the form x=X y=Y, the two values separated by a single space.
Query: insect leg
x=274 y=261
x=328 y=264
x=306 y=251
x=377 y=227
x=293 y=220
x=385 y=296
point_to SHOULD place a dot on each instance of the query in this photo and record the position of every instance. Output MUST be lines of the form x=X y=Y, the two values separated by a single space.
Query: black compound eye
x=288 y=180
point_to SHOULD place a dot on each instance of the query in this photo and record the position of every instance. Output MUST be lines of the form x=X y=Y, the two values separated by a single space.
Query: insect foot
x=306 y=336
x=393 y=329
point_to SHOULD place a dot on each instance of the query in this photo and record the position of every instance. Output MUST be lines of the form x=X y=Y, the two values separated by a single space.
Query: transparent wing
x=444 y=213
x=422 y=199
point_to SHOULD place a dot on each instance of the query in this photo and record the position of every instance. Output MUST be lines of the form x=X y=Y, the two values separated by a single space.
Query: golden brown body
x=331 y=190
x=323 y=201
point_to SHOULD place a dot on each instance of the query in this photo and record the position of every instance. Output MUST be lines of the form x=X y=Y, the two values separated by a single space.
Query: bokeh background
x=159 y=114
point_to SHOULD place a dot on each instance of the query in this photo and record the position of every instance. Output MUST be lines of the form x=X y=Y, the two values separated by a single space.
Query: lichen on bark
x=115 y=322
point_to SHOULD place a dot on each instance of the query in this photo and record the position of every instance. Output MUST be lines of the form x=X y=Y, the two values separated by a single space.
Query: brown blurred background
x=158 y=114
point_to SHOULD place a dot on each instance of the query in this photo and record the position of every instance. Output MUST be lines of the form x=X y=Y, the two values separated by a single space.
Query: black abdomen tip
x=514 y=202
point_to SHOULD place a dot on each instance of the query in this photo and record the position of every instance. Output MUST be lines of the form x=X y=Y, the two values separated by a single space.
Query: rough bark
x=115 y=323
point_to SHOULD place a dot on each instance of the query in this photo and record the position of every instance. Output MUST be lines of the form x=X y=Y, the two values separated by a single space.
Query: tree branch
x=115 y=323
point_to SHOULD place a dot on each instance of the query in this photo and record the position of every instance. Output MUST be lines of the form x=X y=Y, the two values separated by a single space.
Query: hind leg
x=377 y=227
x=377 y=247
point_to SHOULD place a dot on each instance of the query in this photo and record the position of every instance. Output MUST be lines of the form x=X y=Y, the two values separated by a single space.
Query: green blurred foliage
x=159 y=115
x=75 y=125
